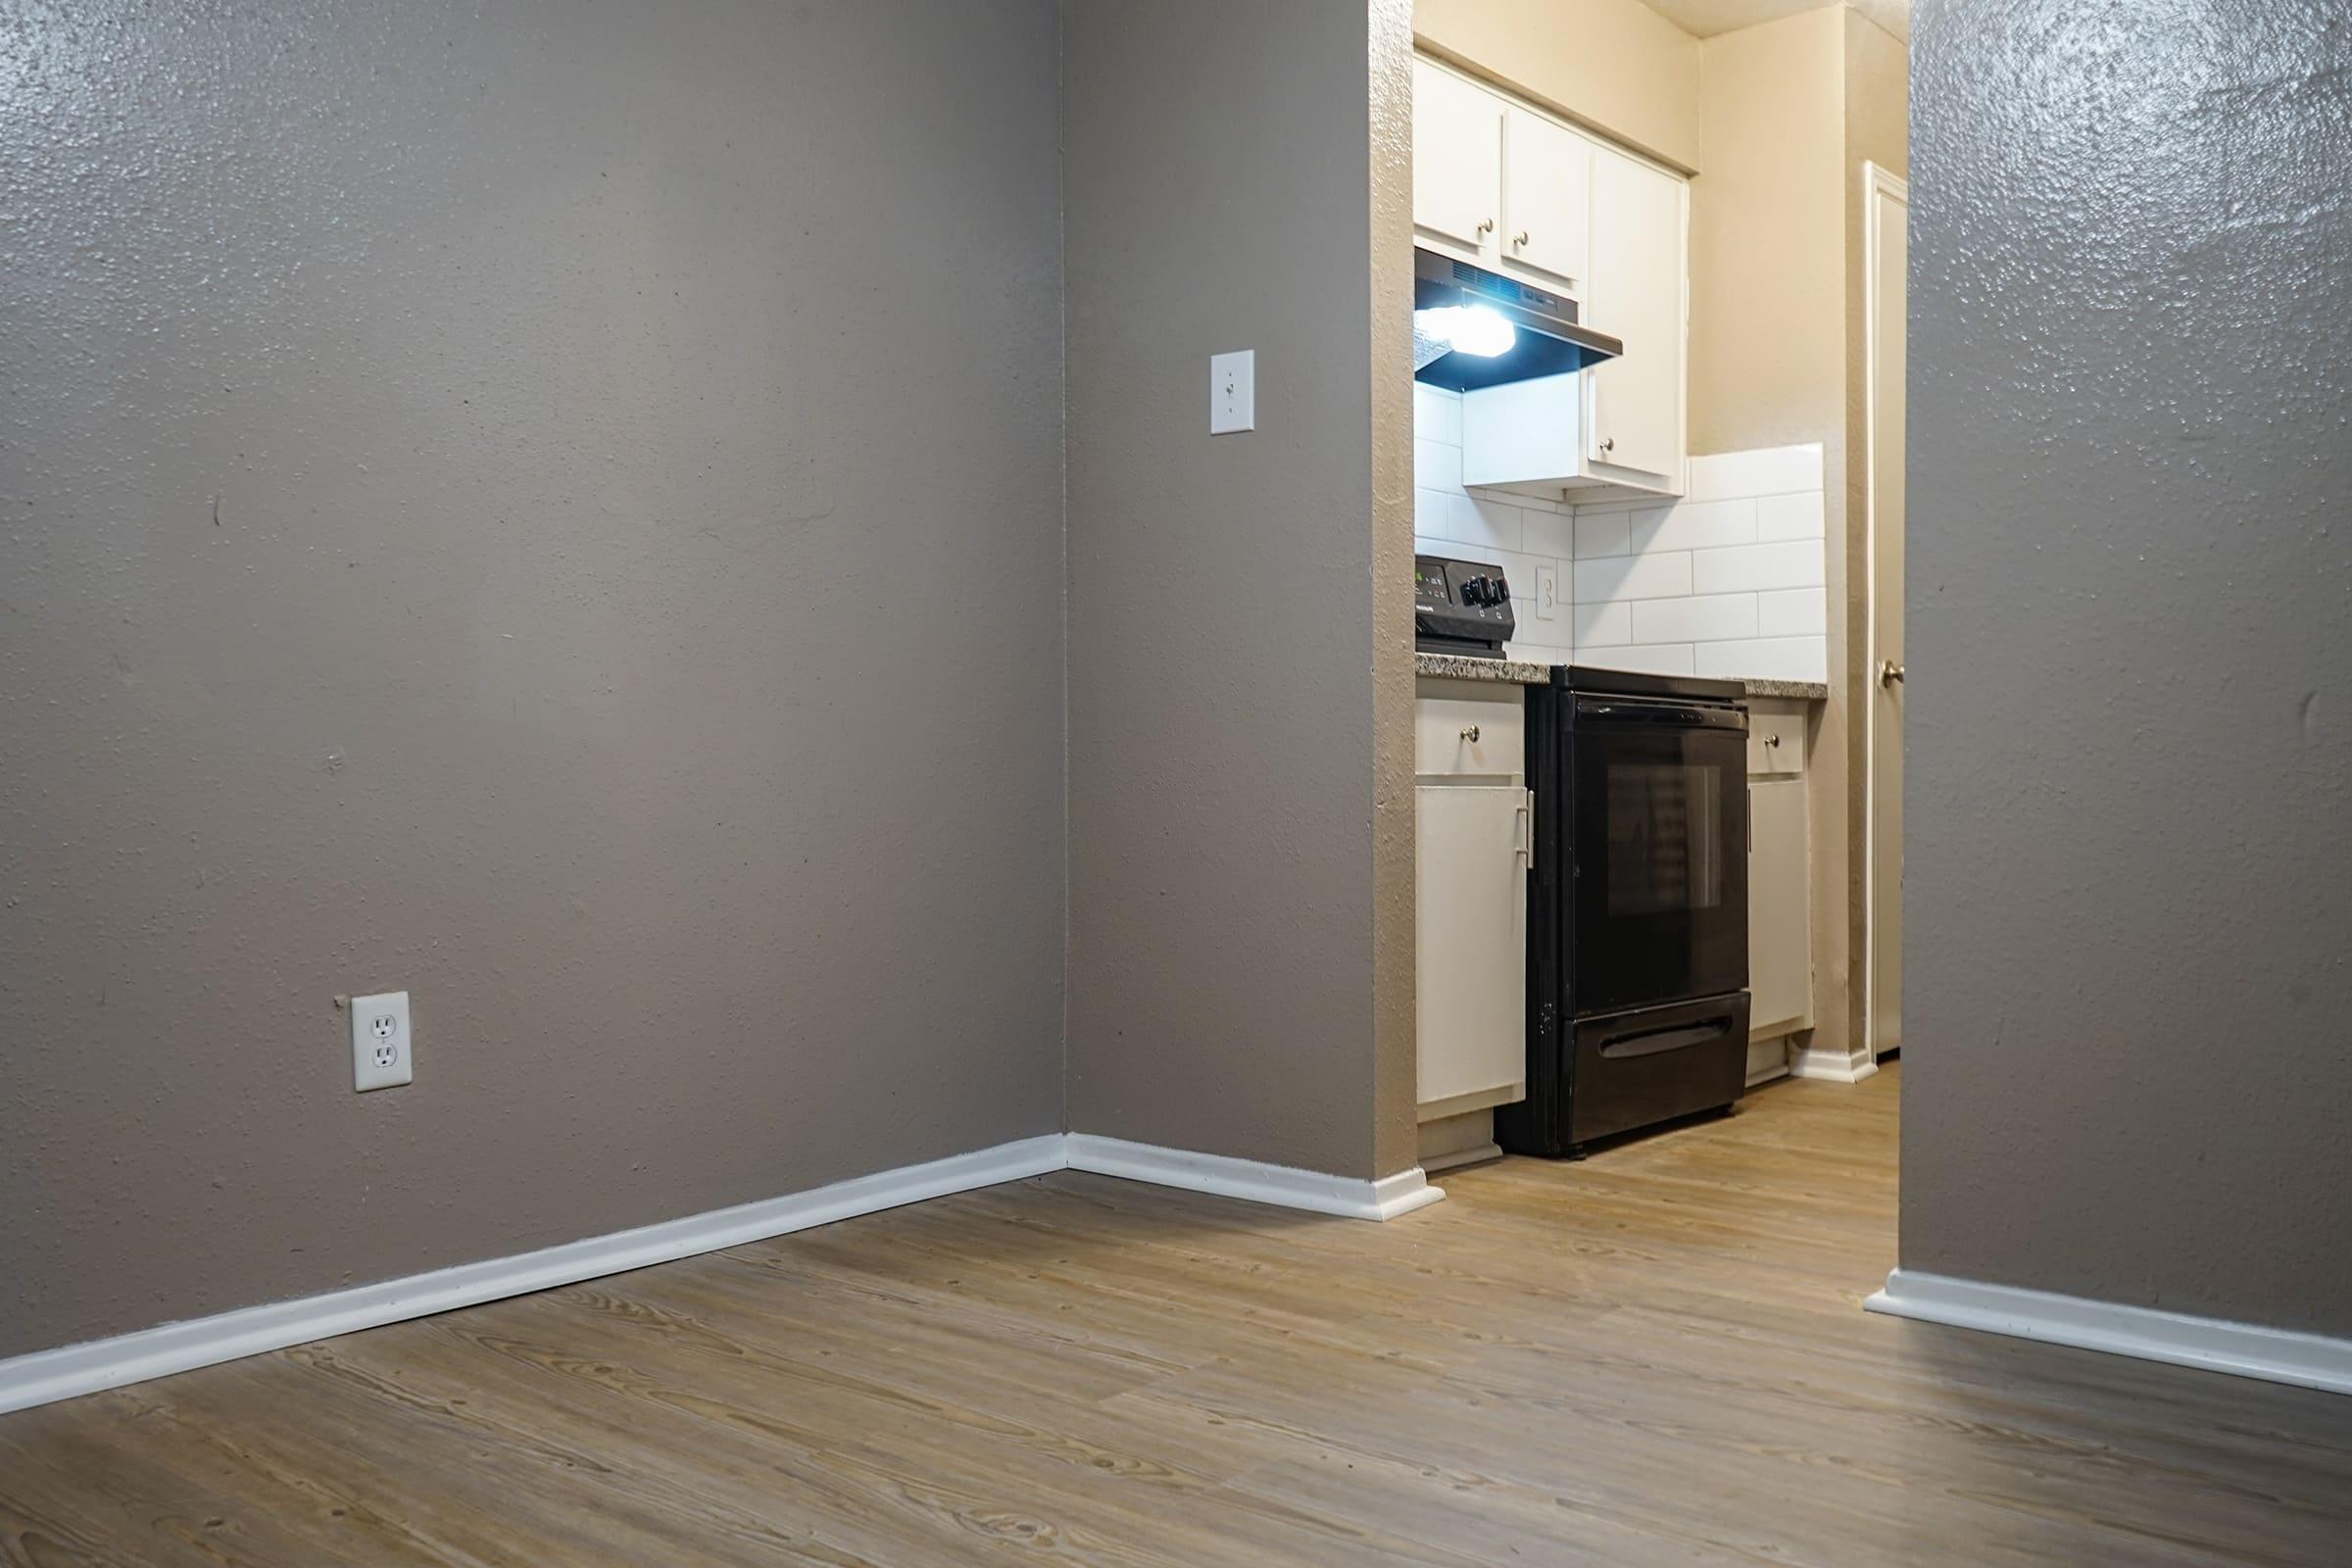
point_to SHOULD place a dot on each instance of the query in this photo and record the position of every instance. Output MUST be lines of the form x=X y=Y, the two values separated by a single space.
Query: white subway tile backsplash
x=1660 y=576
x=1727 y=580
x=1794 y=612
x=1538 y=652
x=1488 y=524
x=1750 y=569
x=1437 y=414
x=1694 y=525
x=1796 y=516
x=1653 y=658
x=1695 y=620
x=1433 y=514
x=1436 y=465
x=1607 y=625
x=1763 y=472
x=1520 y=572
x=1602 y=531
x=1549 y=533
x=1774 y=657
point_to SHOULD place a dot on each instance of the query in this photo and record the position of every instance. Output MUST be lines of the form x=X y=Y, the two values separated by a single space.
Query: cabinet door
x=1472 y=924
x=1457 y=160
x=1636 y=293
x=1780 y=908
x=1546 y=197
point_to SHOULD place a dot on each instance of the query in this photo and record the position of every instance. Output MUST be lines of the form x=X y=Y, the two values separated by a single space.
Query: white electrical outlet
x=382 y=1055
x=1233 y=392
x=1547 y=605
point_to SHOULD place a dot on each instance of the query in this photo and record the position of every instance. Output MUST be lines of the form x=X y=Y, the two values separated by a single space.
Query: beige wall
x=1767 y=236
x=1791 y=108
x=1614 y=65
x=1240 y=635
x=574 y=532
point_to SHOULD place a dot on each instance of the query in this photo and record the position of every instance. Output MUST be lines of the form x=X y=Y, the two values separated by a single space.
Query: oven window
x=1665 y=845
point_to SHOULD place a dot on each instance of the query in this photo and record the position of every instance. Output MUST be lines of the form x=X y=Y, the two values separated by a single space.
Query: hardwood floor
x=1655 y=1356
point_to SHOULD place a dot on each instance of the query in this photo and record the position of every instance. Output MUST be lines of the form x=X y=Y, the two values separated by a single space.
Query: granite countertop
x=1519 y=672
x=1812 y=690
x=1461 y=666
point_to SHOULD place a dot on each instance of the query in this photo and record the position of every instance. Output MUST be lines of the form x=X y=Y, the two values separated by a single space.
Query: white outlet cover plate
x=1233 y=392
x=382 y=1050
x=1547 y=593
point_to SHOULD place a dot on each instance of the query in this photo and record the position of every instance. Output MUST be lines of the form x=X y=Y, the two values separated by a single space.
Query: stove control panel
x=1462 y=607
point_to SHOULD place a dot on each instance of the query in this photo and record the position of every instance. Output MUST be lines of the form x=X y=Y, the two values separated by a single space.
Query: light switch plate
x=382 y=1055
x=1233 y=392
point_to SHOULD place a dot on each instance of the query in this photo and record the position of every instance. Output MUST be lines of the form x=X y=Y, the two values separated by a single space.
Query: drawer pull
x=1772 y=740
x=1470 y=734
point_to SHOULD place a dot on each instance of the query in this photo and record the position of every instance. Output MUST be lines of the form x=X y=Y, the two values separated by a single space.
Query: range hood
x=1545 y=338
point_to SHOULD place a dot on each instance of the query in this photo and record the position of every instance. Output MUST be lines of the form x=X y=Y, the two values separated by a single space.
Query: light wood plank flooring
x=1655 y=1356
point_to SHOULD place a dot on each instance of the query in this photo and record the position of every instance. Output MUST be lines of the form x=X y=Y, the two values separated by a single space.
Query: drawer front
x=1775 y=738
x=1469 y=731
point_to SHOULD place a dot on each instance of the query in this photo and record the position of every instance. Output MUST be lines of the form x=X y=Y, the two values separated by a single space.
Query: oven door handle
x=1672 y=1037
x=1592 y=714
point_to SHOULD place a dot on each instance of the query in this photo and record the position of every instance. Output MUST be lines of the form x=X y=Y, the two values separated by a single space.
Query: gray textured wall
x=555 y=506
x=2129 y=760
x=1240 y=798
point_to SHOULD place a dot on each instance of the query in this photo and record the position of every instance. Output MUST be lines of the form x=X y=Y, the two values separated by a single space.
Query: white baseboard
x=47 y=1375
x=2245 y=1349
x=44 y=1376
x=1837 y=1066
x=1228 y=1177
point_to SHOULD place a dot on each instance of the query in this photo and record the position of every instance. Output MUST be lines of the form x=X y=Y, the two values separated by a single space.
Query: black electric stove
x=1462 y=607
x=1637 y=906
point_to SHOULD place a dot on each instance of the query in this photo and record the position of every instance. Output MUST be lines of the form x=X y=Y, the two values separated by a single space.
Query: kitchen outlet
x=1547 y=594
x=381 y=1051
x=1233 y=392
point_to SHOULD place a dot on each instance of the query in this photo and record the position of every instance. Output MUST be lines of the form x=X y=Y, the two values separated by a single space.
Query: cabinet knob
x=1890 y=673
x=1772 y=740
x=1519 y=238
x=1485 y=225
x=1609 y=444
x=1470 y=734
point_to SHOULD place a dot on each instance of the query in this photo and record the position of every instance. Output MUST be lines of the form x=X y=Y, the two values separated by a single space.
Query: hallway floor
x=1655 y=1356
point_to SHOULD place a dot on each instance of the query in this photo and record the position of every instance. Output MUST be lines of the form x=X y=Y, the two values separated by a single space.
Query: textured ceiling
x=1706 y=17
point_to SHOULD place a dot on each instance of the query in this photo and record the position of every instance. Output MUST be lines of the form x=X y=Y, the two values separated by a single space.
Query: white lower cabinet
x=1779 y=887
x=1474 y=826
x=1472 y=930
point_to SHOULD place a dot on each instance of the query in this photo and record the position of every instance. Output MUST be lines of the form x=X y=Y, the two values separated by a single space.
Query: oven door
x=1658 y=852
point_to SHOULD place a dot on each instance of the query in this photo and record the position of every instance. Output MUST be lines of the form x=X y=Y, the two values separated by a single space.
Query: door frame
x=1876 y=183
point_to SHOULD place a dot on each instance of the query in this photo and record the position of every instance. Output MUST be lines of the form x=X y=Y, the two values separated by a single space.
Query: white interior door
x=1636 y=294
x=1458 y=159
x=1888 y=208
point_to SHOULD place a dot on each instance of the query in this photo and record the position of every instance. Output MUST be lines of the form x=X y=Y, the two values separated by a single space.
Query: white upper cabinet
x=1506 y=186
x=1636 y=293
x=1457 y=163
x=1546 y=198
